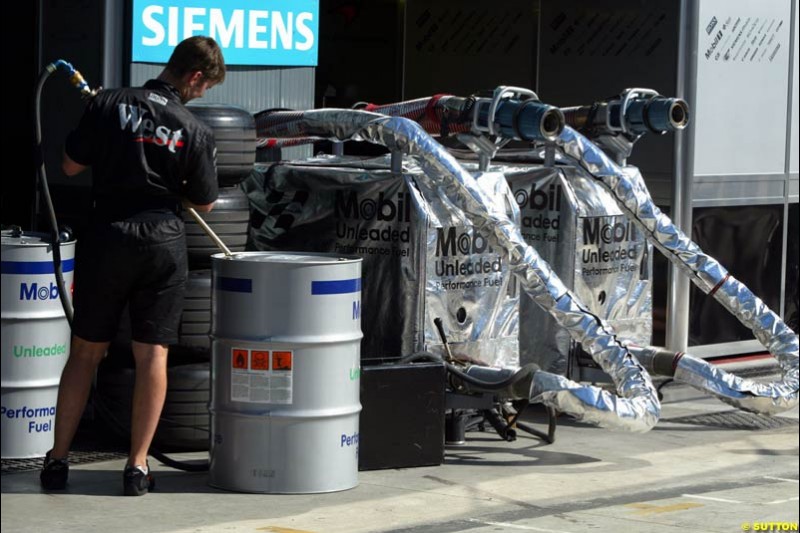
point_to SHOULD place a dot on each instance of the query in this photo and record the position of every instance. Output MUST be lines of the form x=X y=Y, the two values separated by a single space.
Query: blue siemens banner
x=250 y=32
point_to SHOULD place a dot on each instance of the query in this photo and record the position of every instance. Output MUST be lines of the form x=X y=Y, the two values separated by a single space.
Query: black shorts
x=142 y=264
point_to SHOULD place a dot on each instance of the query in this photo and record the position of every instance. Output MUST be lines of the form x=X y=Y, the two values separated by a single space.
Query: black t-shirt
x=146 y=150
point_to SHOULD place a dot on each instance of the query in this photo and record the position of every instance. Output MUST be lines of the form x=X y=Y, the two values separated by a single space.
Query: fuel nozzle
x=75 y=77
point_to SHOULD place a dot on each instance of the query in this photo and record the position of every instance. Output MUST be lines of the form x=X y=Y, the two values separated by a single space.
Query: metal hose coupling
x=634 y=112
x=75 y=77
x=627 y=187
x=516 y=113
x=657 y=360
x=655 y=115
x=527 y=120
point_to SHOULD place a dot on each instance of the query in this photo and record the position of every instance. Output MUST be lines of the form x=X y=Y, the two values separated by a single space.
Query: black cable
x=57 y=267
x=503 y=429
x=488 y=385
x=661 y=386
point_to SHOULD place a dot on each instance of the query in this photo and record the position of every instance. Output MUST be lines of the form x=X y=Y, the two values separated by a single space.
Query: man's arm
x=70 y=167
x=199 y=189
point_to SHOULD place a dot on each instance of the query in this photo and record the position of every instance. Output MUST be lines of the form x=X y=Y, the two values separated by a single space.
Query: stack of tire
x=184 y=421
x=235 y=135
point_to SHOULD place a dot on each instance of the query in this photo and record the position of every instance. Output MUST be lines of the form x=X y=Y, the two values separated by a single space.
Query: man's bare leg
x=73 y=391
x=149 y=393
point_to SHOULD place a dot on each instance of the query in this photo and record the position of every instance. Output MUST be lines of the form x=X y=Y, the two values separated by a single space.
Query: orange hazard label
x=259 y=360
x=281 y=360
x=239 y=358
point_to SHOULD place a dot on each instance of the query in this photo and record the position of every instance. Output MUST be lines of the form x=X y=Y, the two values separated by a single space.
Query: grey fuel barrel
x=286 y=365
x=35 y=341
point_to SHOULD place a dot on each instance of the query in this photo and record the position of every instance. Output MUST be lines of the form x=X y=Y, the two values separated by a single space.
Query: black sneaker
x=137 y=480
x=54 y=473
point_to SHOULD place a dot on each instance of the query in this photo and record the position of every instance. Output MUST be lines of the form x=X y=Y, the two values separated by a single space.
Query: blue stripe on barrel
x=234 y=284
x=339 y=286
x=35 y=267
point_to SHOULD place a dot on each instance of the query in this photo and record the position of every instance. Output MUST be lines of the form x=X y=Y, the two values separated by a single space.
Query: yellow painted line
x=648 y=508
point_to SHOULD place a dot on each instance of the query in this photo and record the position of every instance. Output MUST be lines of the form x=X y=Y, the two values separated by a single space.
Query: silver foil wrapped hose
x=628 y=189
x=636 y=406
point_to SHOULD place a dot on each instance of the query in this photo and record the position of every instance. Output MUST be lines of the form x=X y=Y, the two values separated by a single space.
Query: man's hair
x=198 y=53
